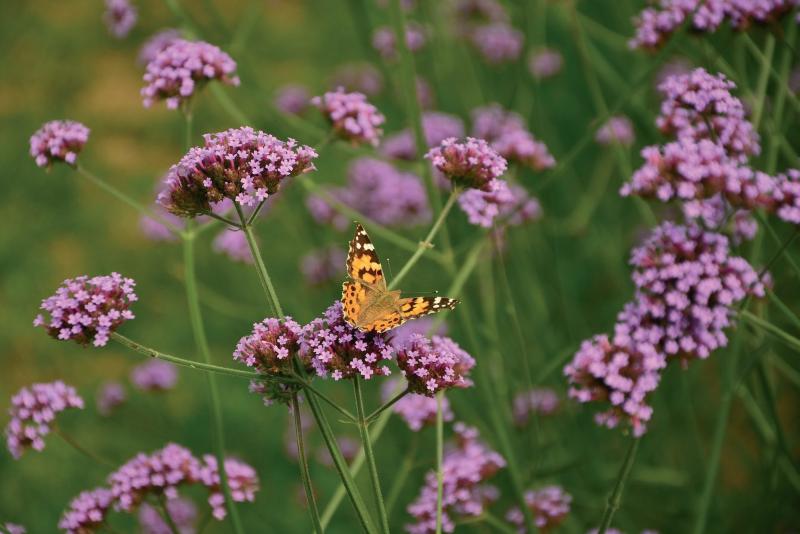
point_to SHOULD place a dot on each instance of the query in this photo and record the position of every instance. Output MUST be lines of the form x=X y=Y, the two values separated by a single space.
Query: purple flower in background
x=471 y=163
x=498 y=43
x=471 y=14
x=421 y=326
x=539 y=401
x=511 y=202
x=86 y=310
x=293 y=99
x=154 y=375
x=341 y=350
x=436 y=127
x=233 y=243
x=156 y=43
x=619 y=373
x=715 y=214
x=417 y=411
x=425 y=94
x=348 y=446
x=87 y=512
x=466 y=466
x=433 y=365
x=182 y=511
x=120 y=17
x=383 y=40
x=289 y=435
x=358 y=77
x=32 y=411
x=549 y=506
x=242 y=481
x=545 y=63
x=617 y=130
x=109 y=396
x=787 y=206
x=13 y=528
x=505 y=132
x=674 y=67
x=182 y=68
x=58 y=141
x=241 y=164
x=353 y=118
x=323 y=265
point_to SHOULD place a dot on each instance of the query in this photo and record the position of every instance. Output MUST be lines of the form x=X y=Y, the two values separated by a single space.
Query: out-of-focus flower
x=358 y=77
x=348 y=446
x=156 y=43
x=12 y=528
x=242 y=164
x=384 y=42
x=417 y=411
x=154 y=375
x=58 y=141
x=243 y=483
x=436 y=127
x=471 y=163
x=290 y=436
x=545 y=63
x=293 y=99
x=86 y=310
x=178 y=71
x=787 y=206
x=154 y=230
x=120 y=17
x=87 y=512
x=352 y=117
x=498 y=43
x=424 y=93
x=341 y=350
x=323 y=265
x=433 y=365
x=182 y=511
x=466 y=466
x=233 y=243
x=539 y=401
x=512 y=202
x=674 y=67
x=549 y=506
x=617 y=130
x=472 y=14
x=505 y=132
x=619 y=373
x=33 y=410
x=421 y=326
x=109 y=396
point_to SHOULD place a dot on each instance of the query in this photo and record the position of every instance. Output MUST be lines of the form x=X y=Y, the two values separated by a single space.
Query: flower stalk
x=615 y=498
x=371 y=464
x=303 y=460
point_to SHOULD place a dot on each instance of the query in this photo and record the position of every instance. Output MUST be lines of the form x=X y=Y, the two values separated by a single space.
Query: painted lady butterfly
x=368 y=304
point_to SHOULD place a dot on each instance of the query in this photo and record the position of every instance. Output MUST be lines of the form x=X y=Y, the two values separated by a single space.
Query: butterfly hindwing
x=362 y=260
x=413 y=307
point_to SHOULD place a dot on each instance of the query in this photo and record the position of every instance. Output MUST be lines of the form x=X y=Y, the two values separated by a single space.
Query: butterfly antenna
x=389 y=268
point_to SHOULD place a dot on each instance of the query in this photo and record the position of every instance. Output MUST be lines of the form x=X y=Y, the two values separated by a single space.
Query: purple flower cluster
x=472 y=14
x=787 y=206
x=539 y=401
x=182 y=68
x=505 y=132
x=13 y=528
x=383 y=40
x=293 y=99
x=242 y=482
x=33 y=409
x=86 y=310
x=341 y=350
x=545 y=63
x=549 y=506
x=353 y=118
x=433 y=365
x=58 y=141
x=233 y=243
x=436 y=127
x=182 y=511
x=617 y=130
x=323 y=265
x=714 y=213
x=423 y=326
x=241 y=164
x=498 y=42
x=512 y=202
x=619 y=372
x=358 y=77
x=87 y=512
x=348 y=446
x=416 y=410
x=471 y=163
x=378 y=191
x=120 y=17
x=154 y=375
x=466 y=466
x=109 y=396
x=156 y=43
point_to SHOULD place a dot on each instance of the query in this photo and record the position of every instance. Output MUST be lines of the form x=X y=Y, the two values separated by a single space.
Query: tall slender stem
x=371 y=464
x=261 y=268
x=69 y=440
x=311 y=500
x=615 y=498
x=439 y=461
x=162 y=503
x=198 y=329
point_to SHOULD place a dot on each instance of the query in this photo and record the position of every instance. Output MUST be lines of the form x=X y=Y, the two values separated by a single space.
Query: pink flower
x=471 y=163
x=433 y=365
x=353 y=118
x=58 y=141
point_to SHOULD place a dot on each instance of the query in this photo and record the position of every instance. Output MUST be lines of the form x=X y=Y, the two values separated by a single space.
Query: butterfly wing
x=362 y=261
x=354 y=295
x=413 y=307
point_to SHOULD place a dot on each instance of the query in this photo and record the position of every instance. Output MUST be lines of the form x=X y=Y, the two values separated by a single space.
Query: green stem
x=615 y=498
x=402 y=474
x=329 y=401
x=498 y=524
x=372 y=466
x=311 y=500
x=374 y=415
x=198 y=329
x=261 y=268
x=787 y=338
x=439 y=461
x=763 y=79
x=784 y=308
x=162 y=503
x=69 y=440
x=229 y=105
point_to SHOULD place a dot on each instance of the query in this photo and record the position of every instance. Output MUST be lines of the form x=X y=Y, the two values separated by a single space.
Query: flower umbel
x=353 y=118
x=471 y=163
x=433 y=365
x=549 y=506
x=58 y=141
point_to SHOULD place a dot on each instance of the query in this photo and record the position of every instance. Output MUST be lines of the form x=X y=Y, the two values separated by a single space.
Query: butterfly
x=368 y=303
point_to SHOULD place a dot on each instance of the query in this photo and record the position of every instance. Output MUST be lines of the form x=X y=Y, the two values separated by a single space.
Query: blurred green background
x=559 y=287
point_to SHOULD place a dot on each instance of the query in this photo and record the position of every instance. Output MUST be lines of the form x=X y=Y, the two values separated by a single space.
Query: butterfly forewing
x=362 y=260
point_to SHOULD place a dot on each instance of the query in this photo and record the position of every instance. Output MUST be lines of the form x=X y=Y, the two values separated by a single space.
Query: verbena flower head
x=687 y=284
x=293 y=99
x=617 y=130
x=505 y=132
x=241 y=164
x=58 y=141
x=341 y=350
x=714 y=213
x=182 y=511
x=471 y=14
x=471 y=163
x=86 y=310
x=498 y=43
x=422 y=326
x=120 y=17
x=619 y=373
x=353 y=118
x=425 y=94
x=154 y=375
x=87 y=512
x=13 y=528
x=156 y=43
x=433 y=365
x=537 y=401
x=182 y=68
x=233 y=243
x=699 y=105
x=242 y=481
x=323 y=265
x=548 y=505
x=383 y=40
x=358 y=77
x=466 y=466
x=110 y=395
x=482 y=207
x=33 y=410
x=418 y=411
x=545 y=63
x=436 y=127
x=787 y=205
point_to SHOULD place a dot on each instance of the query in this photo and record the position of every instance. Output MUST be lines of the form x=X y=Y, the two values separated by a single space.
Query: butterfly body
x=367 y=302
